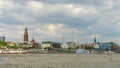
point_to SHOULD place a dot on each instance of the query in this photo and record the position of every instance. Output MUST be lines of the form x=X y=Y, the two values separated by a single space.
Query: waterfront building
x=45 y=45
x=71 y=45
x=2 y=38
x=33 y=42
x=64 y=46
x=49 y=44
x=109 y=45
x=11 y=43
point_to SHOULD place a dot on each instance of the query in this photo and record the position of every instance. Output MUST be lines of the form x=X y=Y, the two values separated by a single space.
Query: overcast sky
x=47 y=20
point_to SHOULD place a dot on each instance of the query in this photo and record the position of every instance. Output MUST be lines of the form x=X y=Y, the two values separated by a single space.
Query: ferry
x=13 y=52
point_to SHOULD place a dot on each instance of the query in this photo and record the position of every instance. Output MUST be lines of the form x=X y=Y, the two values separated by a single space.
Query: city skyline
x=47 y=20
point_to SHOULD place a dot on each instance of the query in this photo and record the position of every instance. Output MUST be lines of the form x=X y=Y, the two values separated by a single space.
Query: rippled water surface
x=59 y=61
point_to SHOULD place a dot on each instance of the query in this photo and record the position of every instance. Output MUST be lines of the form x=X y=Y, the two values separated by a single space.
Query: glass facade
x=103 y=46
x=2 y=38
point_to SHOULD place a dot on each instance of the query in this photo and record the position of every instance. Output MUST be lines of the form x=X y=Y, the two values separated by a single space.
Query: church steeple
x=26 y=31
x=95 y=39
x=26 y=36
x=33 y=42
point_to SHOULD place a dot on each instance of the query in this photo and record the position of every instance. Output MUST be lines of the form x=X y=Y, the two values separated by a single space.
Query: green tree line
x=2 y=43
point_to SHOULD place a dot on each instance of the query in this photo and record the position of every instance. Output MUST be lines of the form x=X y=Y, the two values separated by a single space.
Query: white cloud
x=35 y=6
x=40 y=8
x=79 y=9
x=49 y=29
x=11 y=31
x=108 y=3
x=7 y=5
x=51 y=19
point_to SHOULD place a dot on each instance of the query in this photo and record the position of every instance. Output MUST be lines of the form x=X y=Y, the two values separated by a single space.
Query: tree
x=77 y=47
x=89 y=48
x=107 y=49
x=2 y=43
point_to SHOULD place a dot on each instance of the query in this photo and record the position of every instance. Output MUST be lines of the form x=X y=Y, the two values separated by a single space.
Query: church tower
x=33 y=42
x=95 y=39
x=26 y=36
